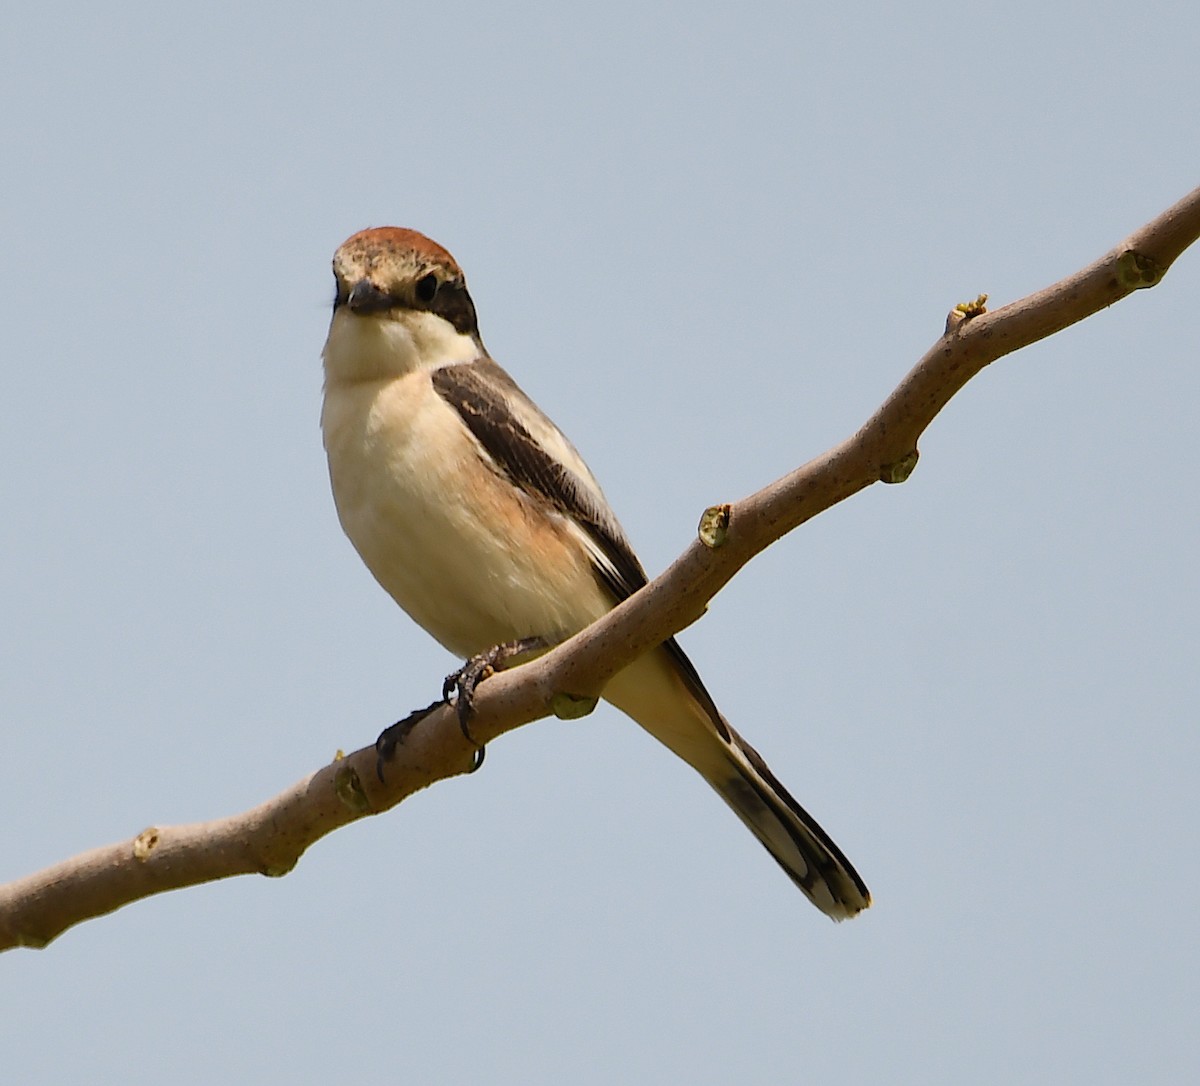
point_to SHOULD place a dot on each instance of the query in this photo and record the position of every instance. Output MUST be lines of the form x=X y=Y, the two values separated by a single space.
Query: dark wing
x=516 y=435
x=505 y=421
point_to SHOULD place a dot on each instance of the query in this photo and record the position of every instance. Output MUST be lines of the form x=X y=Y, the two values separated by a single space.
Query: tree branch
x=270 y=838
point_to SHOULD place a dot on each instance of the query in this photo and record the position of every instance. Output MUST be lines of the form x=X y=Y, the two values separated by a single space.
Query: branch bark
x=270 y=838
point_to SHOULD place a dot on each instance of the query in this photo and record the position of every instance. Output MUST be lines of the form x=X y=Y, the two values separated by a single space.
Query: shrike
x=481 y=520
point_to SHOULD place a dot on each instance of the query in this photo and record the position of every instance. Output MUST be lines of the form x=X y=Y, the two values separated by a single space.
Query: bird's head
x=401 y=304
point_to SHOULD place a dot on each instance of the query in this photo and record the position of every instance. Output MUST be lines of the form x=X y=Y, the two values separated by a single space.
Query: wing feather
x=533 y=454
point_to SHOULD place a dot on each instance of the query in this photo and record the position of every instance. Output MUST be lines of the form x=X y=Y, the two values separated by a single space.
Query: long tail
x=800 y=846
x=663 y=693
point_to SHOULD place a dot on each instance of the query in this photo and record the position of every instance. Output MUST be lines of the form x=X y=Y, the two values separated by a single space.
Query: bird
x=481 y=520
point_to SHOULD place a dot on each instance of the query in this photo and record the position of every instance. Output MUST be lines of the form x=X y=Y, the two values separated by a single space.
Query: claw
x=460 y=685
x=464 y=682
x=390 y=738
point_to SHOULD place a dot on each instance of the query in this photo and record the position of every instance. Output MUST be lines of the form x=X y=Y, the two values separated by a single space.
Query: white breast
x=471 y=558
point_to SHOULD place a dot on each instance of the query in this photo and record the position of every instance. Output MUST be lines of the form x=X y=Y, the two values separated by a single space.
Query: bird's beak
x=366 y=297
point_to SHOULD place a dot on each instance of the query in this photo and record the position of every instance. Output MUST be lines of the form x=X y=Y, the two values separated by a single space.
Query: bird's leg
x=463 y=682
x=390 y=738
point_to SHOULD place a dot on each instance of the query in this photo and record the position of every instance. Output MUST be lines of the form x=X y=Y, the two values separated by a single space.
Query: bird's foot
x=460 y=684
x=463 y=682
x=390 y=738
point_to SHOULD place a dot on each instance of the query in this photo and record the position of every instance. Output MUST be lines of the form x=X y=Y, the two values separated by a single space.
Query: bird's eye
x=427 y=288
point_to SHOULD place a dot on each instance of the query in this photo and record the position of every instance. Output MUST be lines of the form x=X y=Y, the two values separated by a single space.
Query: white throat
x=377 y=347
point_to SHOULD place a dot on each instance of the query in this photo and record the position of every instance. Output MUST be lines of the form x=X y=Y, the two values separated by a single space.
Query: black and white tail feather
x=663 y=693
x=796 y=840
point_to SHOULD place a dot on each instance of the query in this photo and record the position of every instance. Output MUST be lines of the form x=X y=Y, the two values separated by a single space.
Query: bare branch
x=270 y=838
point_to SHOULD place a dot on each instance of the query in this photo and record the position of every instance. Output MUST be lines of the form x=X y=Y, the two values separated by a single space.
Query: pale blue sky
x=708 y=241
